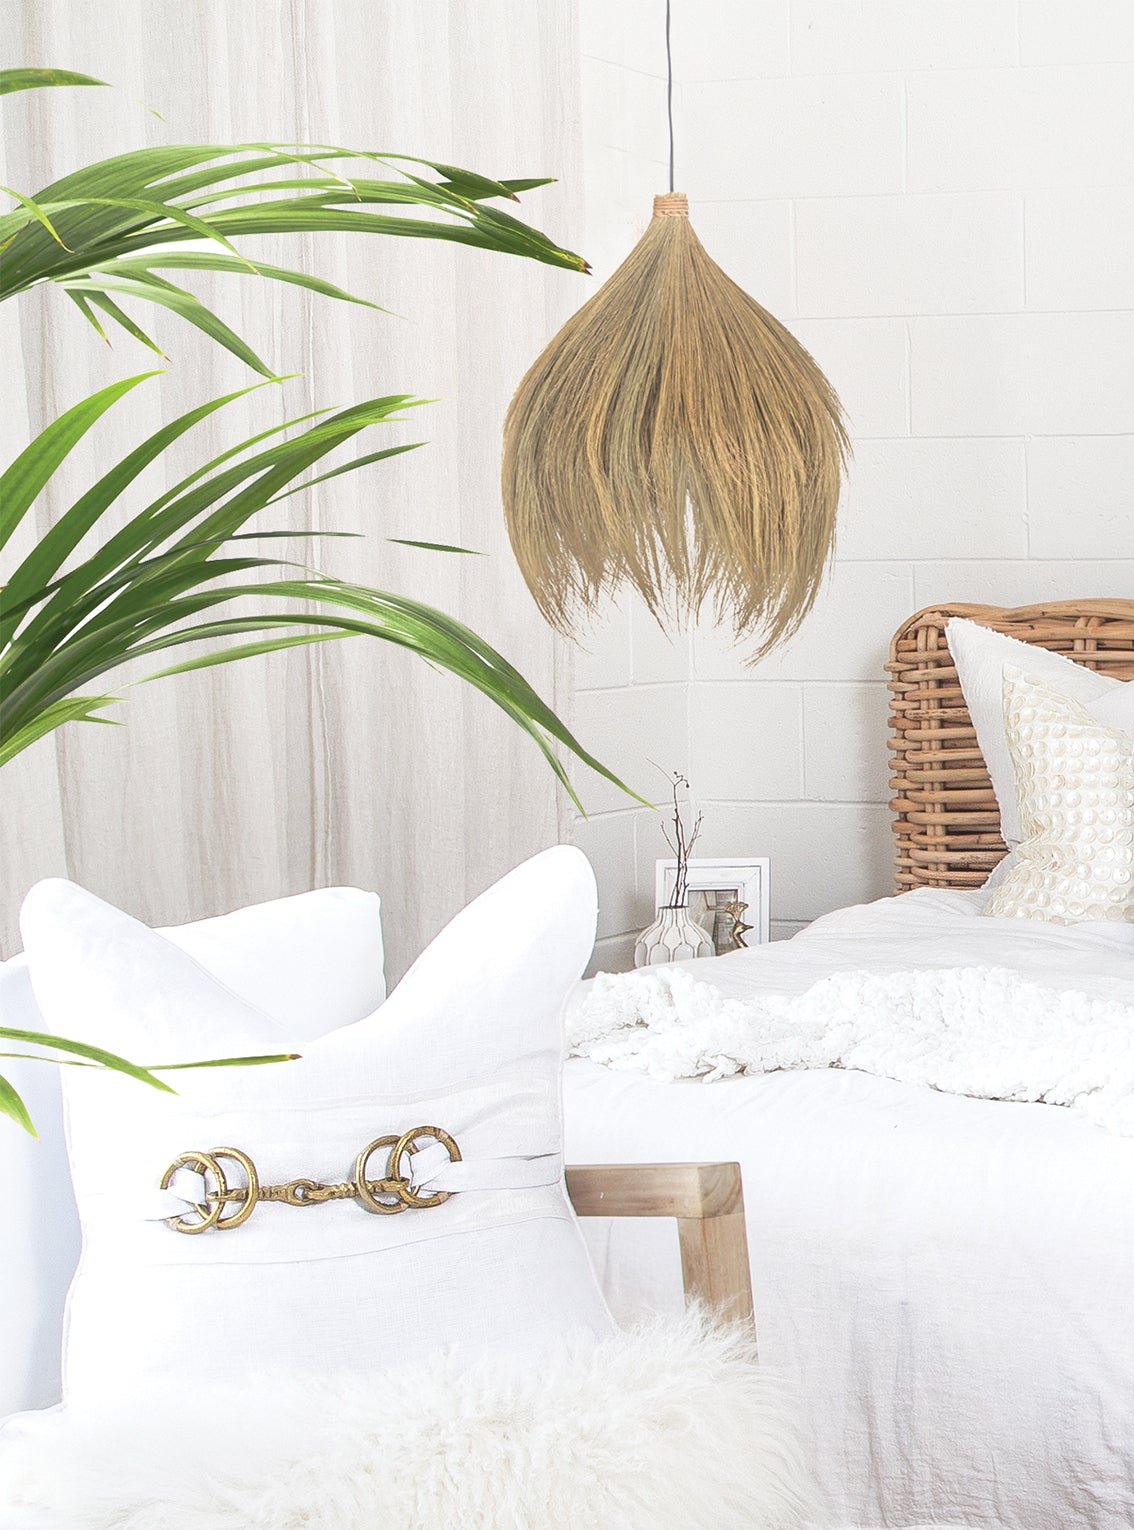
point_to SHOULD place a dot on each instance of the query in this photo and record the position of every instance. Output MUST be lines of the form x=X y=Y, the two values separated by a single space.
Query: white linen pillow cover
x=314 y=959
x=1075 y=781
x=981 y=656
x=471 y=1041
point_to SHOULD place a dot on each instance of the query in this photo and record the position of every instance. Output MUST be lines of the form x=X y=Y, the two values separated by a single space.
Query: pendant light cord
x=669 y=92
x=669 y=88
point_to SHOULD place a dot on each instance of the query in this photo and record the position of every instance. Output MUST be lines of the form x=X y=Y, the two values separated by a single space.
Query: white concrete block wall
x=937 y=196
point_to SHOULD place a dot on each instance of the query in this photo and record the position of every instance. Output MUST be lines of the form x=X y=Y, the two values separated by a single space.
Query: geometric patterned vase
x=673 y=937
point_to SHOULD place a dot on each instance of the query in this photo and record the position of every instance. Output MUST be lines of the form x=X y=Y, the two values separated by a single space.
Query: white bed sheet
x=948 y=1282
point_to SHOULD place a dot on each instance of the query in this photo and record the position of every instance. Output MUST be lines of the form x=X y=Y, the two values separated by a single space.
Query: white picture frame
x=712 y=883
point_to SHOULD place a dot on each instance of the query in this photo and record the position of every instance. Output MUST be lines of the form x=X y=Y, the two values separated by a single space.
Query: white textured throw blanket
x=981 y=1031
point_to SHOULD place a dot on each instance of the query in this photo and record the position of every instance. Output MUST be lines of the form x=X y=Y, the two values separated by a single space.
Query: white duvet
x=948 y=1280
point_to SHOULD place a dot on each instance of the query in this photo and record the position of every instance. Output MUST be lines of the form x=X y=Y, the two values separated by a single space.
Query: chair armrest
x=707 y=1200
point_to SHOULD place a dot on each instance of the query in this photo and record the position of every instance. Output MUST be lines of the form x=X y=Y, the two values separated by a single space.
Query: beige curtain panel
x=348 y=762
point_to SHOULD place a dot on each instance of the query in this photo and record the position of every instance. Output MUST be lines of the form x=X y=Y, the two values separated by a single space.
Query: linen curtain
x=349 y=762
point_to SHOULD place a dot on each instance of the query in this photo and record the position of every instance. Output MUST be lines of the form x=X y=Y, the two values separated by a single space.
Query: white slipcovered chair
x=669 y=1427
x=41 y=1241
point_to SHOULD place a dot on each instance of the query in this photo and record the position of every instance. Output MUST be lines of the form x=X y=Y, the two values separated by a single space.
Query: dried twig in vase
x=682 y=841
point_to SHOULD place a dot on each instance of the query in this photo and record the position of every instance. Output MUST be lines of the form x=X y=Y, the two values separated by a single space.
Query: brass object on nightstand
x=736 y=912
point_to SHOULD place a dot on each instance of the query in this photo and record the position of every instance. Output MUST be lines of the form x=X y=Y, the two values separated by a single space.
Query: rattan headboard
x=945 y=817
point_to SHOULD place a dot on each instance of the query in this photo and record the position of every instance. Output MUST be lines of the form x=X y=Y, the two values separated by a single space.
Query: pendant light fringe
x=675 y=436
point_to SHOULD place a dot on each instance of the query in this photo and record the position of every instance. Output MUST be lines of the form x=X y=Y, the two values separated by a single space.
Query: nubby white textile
x=981 y=1031
x=671 y=1428
x=1075 y=788
x=981 y=657
x=470 y=1041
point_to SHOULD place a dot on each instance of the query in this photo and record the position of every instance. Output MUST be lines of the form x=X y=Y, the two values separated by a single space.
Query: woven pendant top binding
x=671 y=204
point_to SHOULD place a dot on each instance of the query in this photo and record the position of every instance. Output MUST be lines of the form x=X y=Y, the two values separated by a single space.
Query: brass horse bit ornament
x=387 y=1196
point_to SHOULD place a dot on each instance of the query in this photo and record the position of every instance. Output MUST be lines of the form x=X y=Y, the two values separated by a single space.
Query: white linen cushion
x=981 y=656
x=470 y=1041
x=314 y=959
x=1075 y=781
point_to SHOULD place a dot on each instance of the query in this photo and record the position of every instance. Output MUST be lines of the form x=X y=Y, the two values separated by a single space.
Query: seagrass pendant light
x=675 y=437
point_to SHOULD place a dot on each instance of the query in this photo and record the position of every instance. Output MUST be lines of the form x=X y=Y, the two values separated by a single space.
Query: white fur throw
x=671 y=1427
x=981 y=1031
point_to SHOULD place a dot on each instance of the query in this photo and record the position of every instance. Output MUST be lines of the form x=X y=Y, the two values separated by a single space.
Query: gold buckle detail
x=386 y=1196
x=406 y=1144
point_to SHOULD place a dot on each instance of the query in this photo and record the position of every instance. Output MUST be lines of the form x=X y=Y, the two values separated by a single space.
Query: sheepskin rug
x=670 y=1427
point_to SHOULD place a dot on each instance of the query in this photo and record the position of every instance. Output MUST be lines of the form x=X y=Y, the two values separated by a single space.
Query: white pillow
x=1076 y=795
x=470 y=1041
x=265 y=951
x=314 y=959
x=1116 y=708
x=980 y=656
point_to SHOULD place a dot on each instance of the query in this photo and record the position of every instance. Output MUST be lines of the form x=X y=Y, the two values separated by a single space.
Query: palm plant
x=159 y=582
x=150 y=585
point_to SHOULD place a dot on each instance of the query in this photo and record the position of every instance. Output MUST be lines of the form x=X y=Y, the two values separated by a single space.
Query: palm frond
x=155 y=585
x=24 y=479
x=12 y=1106
x=12 y=80
x=50 y=717
x=103 y=232
x=82 y=1054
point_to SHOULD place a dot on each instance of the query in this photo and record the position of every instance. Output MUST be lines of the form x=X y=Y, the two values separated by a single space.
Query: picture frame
x=716 y=886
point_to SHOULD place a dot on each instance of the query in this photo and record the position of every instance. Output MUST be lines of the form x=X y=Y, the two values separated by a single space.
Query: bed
x=946 y=1282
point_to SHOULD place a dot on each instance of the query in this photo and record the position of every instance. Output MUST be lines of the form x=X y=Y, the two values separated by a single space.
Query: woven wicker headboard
x=945 y=817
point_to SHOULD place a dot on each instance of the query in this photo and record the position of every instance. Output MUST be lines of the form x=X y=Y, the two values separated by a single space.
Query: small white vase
x=673 y=937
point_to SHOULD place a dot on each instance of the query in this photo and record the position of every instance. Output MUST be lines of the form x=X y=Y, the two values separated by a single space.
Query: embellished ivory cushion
x=1075 y=785
x=416 y=1250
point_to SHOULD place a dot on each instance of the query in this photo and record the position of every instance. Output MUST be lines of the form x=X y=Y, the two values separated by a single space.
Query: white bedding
x=988 y=1032
x=949 y=1281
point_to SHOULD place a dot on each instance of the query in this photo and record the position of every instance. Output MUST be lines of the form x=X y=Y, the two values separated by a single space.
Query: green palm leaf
x=36 y=79
x=102 y=232
x=184 y=304
x=50 y=717
x=152 y=586
x=193 y=260
x=32 y=213
x=445 y=547
x=48 y=556
x=82 y=1054
x=24 y=480
x=98 y=1055
x=12 y=1105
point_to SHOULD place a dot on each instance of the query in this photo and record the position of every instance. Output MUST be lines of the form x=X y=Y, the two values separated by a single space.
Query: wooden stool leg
x=714 y=1264
x=707 y=1201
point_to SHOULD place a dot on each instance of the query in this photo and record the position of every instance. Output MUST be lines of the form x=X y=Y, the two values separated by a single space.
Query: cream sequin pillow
x=1075 y=785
